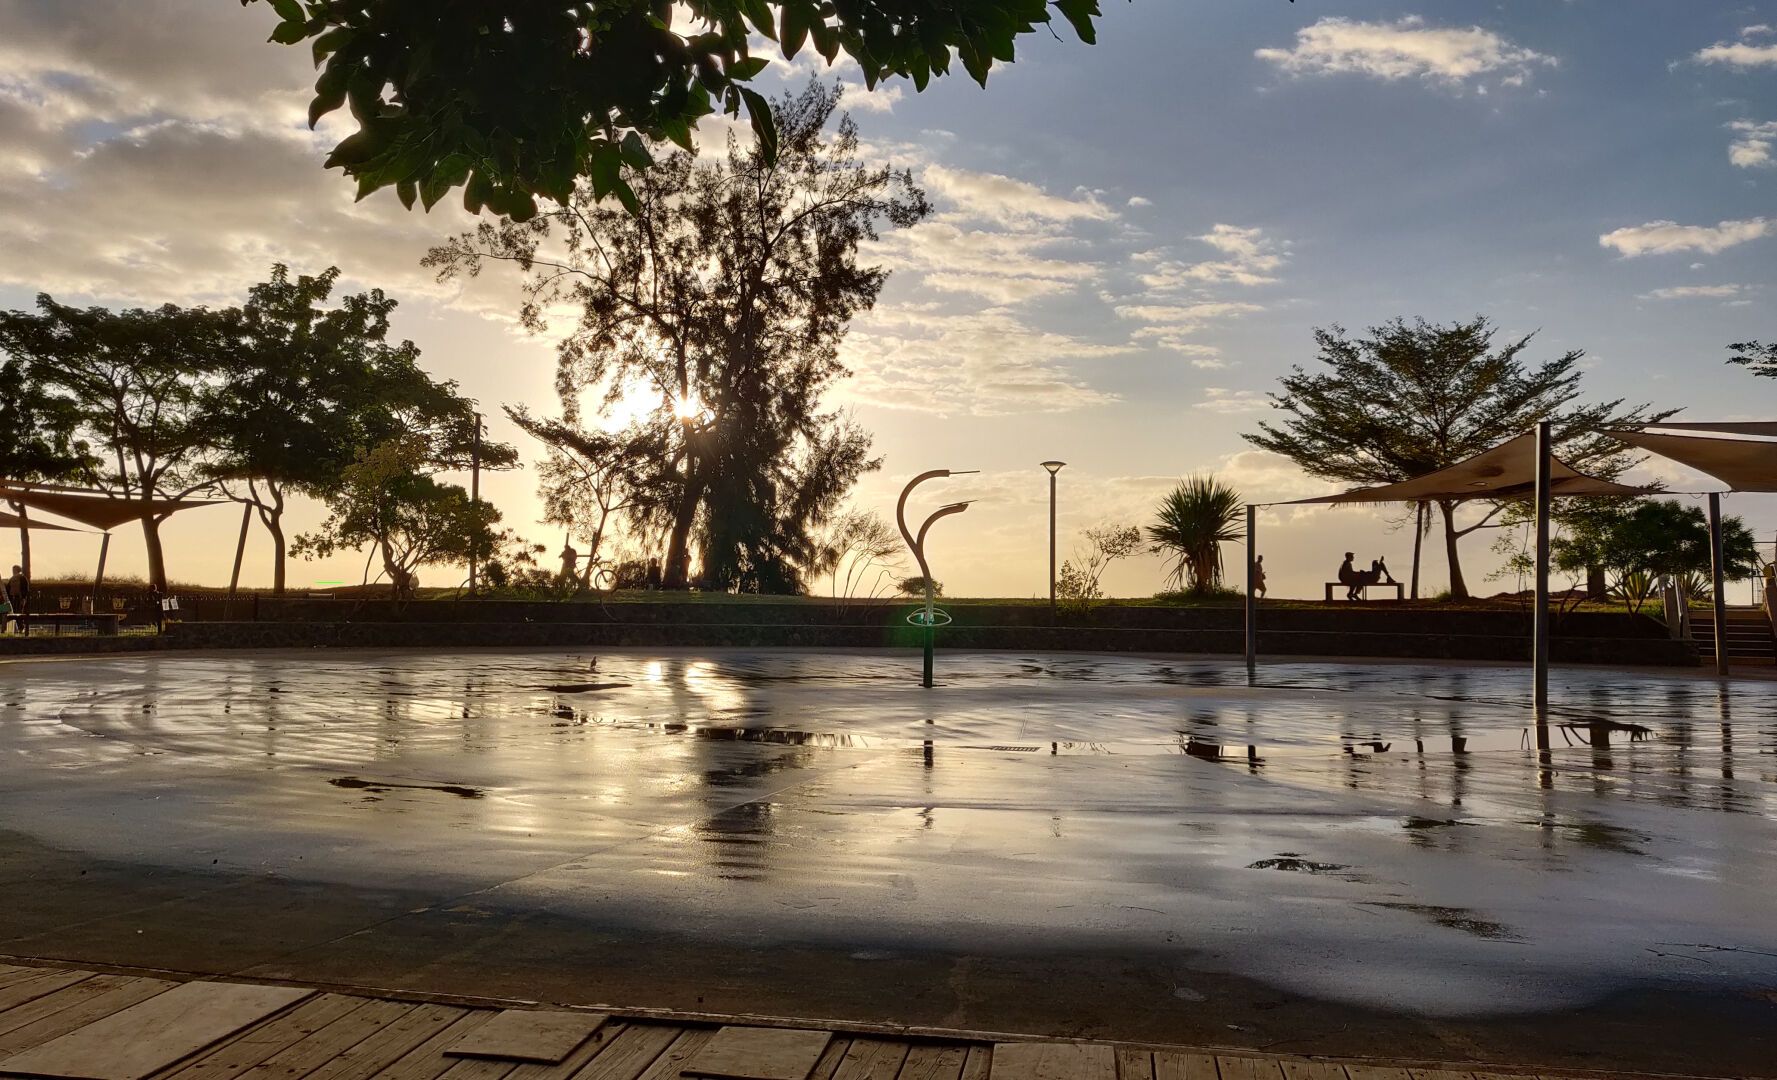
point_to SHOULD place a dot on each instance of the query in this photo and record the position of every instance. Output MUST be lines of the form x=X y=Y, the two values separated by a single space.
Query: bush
x=916 y=586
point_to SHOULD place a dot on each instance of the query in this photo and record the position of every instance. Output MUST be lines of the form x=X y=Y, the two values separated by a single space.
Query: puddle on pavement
x=1296 y=864
x=1453 y=918
x=358 y=783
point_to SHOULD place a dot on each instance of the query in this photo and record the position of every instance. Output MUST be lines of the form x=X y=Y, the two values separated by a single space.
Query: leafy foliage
x=858 y=551
x=723 y=298
x=133 y=384
x=1191 y=524
x=587 y=480
x=1653 y=539
x=1077 y=585
x=1412 y=398
x=39 y=436
x=385 y=500
x=1756 y=357
x=916 y=586
x=522 y=99
x=303 y=389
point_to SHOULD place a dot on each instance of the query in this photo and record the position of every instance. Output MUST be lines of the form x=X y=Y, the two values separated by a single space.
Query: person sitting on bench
x=1356 y=581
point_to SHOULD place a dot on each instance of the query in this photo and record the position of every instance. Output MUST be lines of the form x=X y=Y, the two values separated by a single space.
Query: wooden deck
x=97 y=1026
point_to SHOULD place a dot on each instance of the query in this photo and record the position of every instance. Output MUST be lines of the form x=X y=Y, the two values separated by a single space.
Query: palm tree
x=1191 y=524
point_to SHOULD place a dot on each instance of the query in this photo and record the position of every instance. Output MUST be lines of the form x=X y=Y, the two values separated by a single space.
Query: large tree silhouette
x=1413 y=397
x=724 y=298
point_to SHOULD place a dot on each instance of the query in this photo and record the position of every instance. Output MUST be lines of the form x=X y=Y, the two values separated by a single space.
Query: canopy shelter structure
x=1520 y=468
x=95 y=509
x=1745 y=464
x=1742 y=464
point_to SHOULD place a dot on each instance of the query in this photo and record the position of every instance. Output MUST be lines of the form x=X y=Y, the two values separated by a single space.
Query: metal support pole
x=99 y=576
x=1540 y=623
x=240 y=552
x=474 y=492
x=1418 y=539
x=1716 y=574
x=1252 y=582
x=926 y=679
x=1052 y=546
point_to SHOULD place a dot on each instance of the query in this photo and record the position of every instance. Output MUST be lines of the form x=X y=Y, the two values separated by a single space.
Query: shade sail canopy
x=93 y=509
x=1766 y=428
x=13 y=521
x=1508 y=471
x=1742 y=464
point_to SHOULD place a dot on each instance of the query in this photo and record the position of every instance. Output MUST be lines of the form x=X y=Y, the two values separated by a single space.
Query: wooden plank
x=574 y=1062
x=478 y=1069
x=427 y=1061
x=1174 y=1066
x=1240 y=1067
x=1439 y=1074
x=1134 y=1064
x=672 y=1060
x=10 y=973
x=545 y=1035
x=38 y=986
x=67 y=997
x=124 y=993
x=310 y=1053
x=145 y=1038
x=1312 y=1070
x=754 y=1053
x=832 y=1056
x=938 y=1061
x=629 y=1054
x=235 y=1056
x=1053 y=1061
x=873 y=1059
x=979 y=1063
x=1375 y=1072
x=389 y=1044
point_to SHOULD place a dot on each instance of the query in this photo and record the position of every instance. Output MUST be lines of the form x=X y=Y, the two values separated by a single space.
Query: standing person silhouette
x=1259 y=576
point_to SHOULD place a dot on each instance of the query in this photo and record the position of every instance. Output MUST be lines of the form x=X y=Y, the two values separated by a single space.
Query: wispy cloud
x=1407 y=48
x=1695 y=292
x=1748 y=52
x=992 y=197
x=1753 y=148
x=1233 y=402
x=1669 y=237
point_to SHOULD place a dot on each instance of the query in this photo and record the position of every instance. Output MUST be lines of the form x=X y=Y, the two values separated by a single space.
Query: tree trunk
x=1458 y=588
x=24 y=538
x=274 y=524
x=677 y=574
x=157 y=563
x=1597 y=588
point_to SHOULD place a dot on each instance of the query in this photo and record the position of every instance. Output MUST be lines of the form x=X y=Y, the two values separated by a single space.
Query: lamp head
x=1053 y=466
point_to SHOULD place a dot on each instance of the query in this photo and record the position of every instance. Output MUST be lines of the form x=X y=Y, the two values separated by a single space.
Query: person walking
x=18 y=594
x=1259 y=576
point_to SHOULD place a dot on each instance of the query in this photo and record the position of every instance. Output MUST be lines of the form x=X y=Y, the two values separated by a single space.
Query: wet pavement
x=1321 y=857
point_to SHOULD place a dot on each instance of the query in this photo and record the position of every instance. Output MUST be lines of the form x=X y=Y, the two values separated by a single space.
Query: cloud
x=1753 y=148
x=1744 y=53
x=1251 y=258
x=1669 y=237
x=1233 y=402
x=992 y=197
x=984 y=363
x=1137 y=201
x=1406 y=49
x=1179 y=316
x=883 y=99
x=1692 y=292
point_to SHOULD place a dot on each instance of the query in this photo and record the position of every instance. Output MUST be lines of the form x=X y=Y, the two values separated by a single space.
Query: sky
x=1132 y=242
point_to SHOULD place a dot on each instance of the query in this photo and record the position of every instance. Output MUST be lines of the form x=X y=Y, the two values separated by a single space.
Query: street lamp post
x=1053 y=467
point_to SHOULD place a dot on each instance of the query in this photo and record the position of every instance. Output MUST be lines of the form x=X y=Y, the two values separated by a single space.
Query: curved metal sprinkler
x=929 y=618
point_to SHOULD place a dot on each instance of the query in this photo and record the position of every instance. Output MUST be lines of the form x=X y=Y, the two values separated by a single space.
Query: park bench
x=104 y=623
x=1400 y=590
